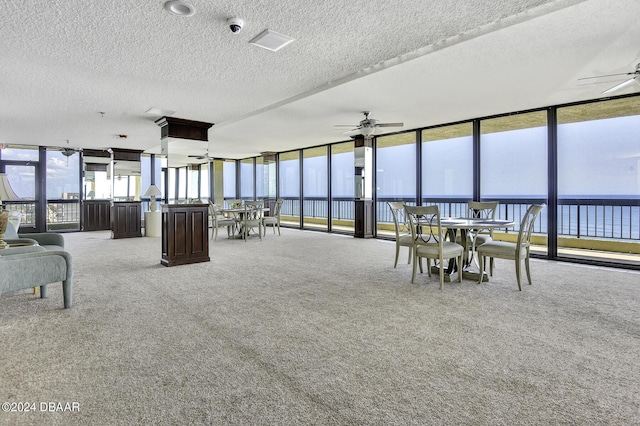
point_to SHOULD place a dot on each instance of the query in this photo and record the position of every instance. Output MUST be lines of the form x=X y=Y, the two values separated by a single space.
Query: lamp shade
x=6 y=192
x=152 y=191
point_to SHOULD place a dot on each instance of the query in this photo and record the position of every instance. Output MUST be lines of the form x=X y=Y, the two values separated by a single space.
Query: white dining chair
x=218 y=220
x=273 y=219
x=481 y=210
x=429 y=241
x=403 y=233
x=252 y=218
x=517 y=251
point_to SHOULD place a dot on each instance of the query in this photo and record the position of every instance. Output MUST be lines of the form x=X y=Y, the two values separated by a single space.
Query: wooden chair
x=517 y=251
x=403 y=233
x=252 y=218
x=232 y=203
x=218 y=220
x=429 y=240
x=274 y=218
x=481 y=210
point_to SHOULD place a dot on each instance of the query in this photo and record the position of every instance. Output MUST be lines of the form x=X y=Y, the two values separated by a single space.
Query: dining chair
x=518 y=250
x=274 y=218
x=234 y=203
x=481 y=210
x=219 y=220
x=403 y=233
x=429 y=240
x=252 y=218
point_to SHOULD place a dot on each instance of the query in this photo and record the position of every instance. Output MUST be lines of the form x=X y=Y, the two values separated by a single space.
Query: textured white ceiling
x=423 y=63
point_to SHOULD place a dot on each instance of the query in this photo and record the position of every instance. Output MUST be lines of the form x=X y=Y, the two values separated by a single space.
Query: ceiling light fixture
x=159 y=111
x=367 y=130
x=179 y=8
x=271 y=40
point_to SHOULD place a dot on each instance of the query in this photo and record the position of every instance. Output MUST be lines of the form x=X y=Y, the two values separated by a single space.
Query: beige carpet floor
x=311 y=328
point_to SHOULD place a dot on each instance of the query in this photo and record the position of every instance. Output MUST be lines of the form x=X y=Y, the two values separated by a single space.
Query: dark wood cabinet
x=363 y=219
x=185 y=234
x=126 y=220
x=96 y=215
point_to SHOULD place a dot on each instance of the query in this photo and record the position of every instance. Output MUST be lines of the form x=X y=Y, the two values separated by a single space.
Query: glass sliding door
x=342 y=187
x=513 y=170
x=289 y=187
x=447 y=168
x=599 y=181
x=395 y=176
x=315 y=188
x=22 y=175
x=63 y=191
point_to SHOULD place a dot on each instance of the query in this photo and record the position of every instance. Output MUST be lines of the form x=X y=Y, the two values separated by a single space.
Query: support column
x=363 y=159
x=217 y=181
x=184 y=226
x=269 y=181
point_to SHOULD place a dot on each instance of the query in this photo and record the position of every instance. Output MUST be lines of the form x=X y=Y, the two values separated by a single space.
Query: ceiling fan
x=68 y=151
x=206 y=156
x=368 y=126
x=634 y=76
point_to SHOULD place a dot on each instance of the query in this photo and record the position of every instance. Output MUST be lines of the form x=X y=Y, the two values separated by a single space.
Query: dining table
x=237 y=213
x=469 y=228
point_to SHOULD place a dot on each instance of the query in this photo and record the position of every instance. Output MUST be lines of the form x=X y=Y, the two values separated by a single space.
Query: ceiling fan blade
x=620 y=85
x=350 y=131
x=390 y=124
x=606 y=75
x=344 y=125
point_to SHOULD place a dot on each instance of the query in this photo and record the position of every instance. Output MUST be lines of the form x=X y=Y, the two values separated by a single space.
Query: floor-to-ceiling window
x=395 y=176
x=513 y=168
x=63 y=190
x=599 y=180
x=229 y=179
x=342 y=187
x=205 y=193
x=261 y=191
x=19 y=165
x=246 y=179
x=315 y=187
x=447 y=168
x=193 y=182
x=289 y=187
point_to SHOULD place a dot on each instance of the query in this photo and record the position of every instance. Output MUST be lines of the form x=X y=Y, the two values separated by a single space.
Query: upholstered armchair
x=27 y=267
x=45 y=240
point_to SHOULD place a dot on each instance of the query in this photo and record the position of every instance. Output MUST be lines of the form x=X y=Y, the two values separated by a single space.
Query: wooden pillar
x=185 y=230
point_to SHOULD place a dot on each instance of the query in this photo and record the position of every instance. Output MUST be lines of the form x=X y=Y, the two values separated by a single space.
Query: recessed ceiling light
x=271 y=40
x=179 y=8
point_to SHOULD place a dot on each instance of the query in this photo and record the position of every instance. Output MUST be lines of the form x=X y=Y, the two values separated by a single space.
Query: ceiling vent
x=271 y=40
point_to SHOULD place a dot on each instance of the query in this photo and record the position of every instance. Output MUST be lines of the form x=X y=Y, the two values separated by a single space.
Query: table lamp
x=6 y=194
x=152 y=192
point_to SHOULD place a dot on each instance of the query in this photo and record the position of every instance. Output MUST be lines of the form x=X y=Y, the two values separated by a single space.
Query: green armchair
x=45 y=240
x=32 y=266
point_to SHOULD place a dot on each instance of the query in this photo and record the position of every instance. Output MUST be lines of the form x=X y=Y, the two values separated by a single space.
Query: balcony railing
x=617 y=218
x=61 y=213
